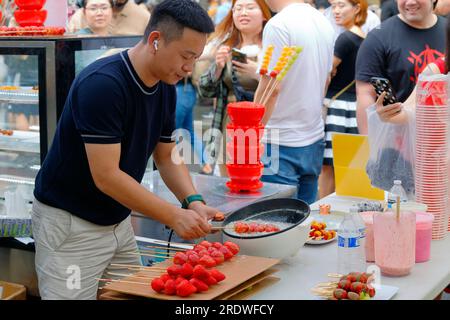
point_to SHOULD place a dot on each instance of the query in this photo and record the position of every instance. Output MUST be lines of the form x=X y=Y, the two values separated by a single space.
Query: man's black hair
x=170 y=17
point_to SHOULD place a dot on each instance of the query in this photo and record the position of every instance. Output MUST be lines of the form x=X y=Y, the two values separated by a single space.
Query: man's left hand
x=207 y=212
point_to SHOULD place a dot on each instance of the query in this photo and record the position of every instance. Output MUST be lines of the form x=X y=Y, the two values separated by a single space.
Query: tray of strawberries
x=203 y=272
x=31 y=31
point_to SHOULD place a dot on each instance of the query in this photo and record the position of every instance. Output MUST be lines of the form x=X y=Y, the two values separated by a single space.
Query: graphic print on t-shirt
x=421 y=60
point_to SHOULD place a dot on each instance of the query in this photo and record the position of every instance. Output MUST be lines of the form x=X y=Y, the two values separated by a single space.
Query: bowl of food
x=273 y=228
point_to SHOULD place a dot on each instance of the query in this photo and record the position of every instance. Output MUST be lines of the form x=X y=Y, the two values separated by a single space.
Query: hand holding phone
x=383 y=85
x=238 y=55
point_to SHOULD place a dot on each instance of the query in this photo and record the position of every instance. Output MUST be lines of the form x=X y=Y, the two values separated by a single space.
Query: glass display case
x=35 y=77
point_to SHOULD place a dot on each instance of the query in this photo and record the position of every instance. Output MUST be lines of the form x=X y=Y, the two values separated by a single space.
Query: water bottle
x=358 y=220
x=350 y=253
x=396 y=191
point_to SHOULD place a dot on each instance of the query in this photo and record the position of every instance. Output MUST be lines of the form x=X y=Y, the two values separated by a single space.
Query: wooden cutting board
x=237 y=270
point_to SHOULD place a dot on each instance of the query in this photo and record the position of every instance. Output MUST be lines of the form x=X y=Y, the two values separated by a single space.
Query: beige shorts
x=72 y=253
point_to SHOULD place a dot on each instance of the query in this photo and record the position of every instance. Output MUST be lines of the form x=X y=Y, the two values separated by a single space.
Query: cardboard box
x=12 y=291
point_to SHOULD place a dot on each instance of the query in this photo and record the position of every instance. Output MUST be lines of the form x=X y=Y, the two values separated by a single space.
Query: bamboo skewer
x=122 y=281
x=165 y=248
x=190 y=245
x=130 y=275
x=150 y=255
x=137 y=267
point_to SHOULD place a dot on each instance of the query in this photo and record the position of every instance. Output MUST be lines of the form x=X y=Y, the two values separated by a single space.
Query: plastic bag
x=392 y=152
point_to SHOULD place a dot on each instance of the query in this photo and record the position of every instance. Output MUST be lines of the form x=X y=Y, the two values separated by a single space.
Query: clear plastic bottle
x=350 y=253
x=396 y=191
x=358 y=220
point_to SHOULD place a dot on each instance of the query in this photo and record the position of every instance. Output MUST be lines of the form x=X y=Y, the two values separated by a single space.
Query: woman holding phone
x=340 y=99
x=232 y=77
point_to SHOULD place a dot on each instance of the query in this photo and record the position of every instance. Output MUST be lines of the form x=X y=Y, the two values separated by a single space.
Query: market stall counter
x=313 y=263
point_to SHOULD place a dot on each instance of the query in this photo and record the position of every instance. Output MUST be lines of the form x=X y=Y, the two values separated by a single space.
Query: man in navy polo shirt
x=119 y=111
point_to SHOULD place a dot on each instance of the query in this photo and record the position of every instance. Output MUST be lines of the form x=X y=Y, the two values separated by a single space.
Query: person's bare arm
x=177 y=178
x=366 y=96
x=110 y=179
x=336 y=63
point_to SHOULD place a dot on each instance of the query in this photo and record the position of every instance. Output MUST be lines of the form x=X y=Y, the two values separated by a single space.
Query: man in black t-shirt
x=399 y=51
x=119 y=111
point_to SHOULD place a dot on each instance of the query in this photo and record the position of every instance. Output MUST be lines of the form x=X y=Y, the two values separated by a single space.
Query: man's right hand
x=189 y=225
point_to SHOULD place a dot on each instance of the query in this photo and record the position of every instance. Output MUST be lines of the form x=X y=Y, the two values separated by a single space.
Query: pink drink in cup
x=369 y=243
x=395 y=242
x=424 y=223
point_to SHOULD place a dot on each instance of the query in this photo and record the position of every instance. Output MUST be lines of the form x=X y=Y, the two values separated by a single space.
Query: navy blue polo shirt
x=107 y=103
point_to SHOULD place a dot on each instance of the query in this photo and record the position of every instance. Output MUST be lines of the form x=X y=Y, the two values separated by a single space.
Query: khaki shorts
x=72 y=253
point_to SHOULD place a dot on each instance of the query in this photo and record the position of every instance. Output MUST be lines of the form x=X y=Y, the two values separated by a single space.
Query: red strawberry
x=179 y=280
x=174 y=270
x=371 y=291
x=211 y=250
x=190 y=252
x=199 y=247
x=234 y=248
x=218 y=257
x=358 y=287
x=185 y=289
x=216 y=274
x=210 y=281
x=207 y=261
x=193 y=259
x=170 y=287
x=227 y=254
x=345 y=284
x=186 y=270
x=340 y=294
x=217 y=245
x=164 y=277
x=200 y=272
x=180 y=258
x=199 y=284
x=205 y=243
x=261 y=228
x=158 y=284
x=252 y=227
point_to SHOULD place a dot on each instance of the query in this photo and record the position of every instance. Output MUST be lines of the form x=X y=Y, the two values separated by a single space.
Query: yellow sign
x=350 y=156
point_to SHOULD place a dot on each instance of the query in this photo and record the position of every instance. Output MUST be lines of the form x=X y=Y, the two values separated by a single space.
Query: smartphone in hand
x=238 y=55
x=383 y=85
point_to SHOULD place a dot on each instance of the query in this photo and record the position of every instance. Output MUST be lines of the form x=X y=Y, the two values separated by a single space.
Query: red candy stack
x=30 y=13
x=244 y=148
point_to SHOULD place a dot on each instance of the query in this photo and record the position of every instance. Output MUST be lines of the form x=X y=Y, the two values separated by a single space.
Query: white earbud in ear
x=155 y=44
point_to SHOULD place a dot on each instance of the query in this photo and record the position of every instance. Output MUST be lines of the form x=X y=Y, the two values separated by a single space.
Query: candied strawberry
x=212 y=249
x=234 y=248
x=174 y=270
x=179 y=279
x=205 y=243
x=216 y=274
x=189 y=252
x=218 y=257
x=217 y=245
x=170 y=287
x=193 y=259
x=186 y=270
x=210 y=281
x=180 y=258
x=261 y=228
x=157 y=284
x=164 y=277
x=185 y=289
x=207 y=261
x=227 y=254
x=252 y=227
x=200 y=272
x=199 y=284
x=199 y=247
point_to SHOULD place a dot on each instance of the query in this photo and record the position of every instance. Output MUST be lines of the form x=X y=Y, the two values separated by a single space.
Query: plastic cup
x=395 y=242
x=369 y=246
x=424 y=222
